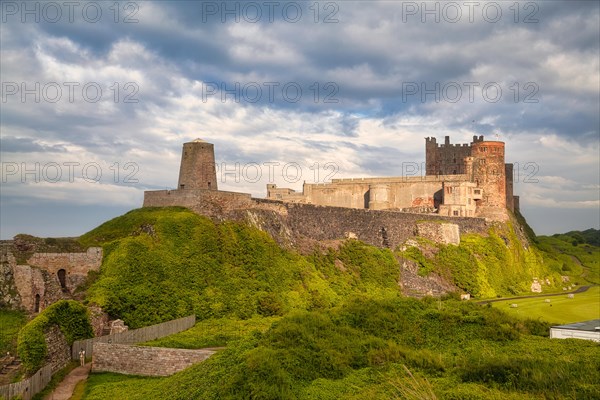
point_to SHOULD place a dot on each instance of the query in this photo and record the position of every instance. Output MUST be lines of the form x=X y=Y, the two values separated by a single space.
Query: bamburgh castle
x=461 y=180
x=466 y=187
x=468 y=180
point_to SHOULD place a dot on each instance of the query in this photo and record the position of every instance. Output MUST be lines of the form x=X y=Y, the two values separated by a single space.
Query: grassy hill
x=10 y=323
x=175 y=262
x=382 y=349
x=161 y=264
x=334 y=324
x=575 y=253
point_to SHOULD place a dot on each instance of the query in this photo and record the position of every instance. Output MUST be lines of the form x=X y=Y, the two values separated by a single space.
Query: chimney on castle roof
x=446 y=140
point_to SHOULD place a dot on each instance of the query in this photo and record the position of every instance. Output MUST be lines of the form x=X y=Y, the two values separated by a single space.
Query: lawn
x=10 y=323
x=583 y=307
x=214 y=333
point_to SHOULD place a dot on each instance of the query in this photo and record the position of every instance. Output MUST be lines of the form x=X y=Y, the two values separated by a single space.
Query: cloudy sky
x=98 y=97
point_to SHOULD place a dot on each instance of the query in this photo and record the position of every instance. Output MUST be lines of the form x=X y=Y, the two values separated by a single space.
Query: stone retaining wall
x=143 y=360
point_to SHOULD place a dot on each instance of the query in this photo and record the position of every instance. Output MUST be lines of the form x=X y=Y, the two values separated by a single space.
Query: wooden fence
x=27 y=388
x=135 y=335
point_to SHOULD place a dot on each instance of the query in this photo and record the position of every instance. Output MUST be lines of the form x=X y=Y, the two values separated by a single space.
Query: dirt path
x=580 y=289
x=64 y=390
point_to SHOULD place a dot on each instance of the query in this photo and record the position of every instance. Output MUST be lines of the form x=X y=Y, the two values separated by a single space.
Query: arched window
x=62 y=278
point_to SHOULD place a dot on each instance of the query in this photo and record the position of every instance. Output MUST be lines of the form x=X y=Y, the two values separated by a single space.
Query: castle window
x=477 y=191
x=37 y=303
x=62 y=279
x=449 y=189
x=181 y=186
x=455 y=213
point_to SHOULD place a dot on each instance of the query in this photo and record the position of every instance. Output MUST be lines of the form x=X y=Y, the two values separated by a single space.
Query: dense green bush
x=361 y=348
x=69 y=315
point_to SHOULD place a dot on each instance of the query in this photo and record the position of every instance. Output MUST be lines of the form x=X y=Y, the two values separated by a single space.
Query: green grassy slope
x=161 y=264
x=575 y=253
x=358 y=350
x=333 y=324
x=10 y=323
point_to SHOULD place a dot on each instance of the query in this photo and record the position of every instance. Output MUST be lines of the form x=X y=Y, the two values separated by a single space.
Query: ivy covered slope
x=69 y=315
x=502 y=263
x=164 y=263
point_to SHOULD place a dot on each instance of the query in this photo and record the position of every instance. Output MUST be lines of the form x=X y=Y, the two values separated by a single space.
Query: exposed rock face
x=9 y=295
x=414 y=285
x=536 y=286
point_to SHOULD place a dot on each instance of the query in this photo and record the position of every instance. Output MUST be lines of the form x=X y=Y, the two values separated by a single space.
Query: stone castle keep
x=461 y=180
x=468 y=180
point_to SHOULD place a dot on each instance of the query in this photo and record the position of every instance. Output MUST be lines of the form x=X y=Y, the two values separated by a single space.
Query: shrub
x=69 y=315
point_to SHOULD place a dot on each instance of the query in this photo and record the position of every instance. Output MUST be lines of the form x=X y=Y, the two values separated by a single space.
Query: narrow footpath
x=65 y=388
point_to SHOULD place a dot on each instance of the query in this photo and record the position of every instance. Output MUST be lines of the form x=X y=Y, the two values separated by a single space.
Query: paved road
x=580 y=289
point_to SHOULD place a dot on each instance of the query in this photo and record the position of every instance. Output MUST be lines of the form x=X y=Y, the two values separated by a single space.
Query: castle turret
x=489 y=173
x=197 y=170
x=431 y=157
x=379 y=196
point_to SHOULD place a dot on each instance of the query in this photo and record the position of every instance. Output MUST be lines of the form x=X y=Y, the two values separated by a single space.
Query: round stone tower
x=197 y=170
x=490 y=175
x=379 y=196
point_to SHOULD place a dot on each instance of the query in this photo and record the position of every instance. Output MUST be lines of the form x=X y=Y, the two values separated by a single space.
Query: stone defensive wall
x=289 y=222
x=75 y=263
x=46 y=277
x=143 y=360
x=377 y=228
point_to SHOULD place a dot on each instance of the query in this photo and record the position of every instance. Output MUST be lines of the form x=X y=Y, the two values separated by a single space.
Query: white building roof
x=588 y=326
